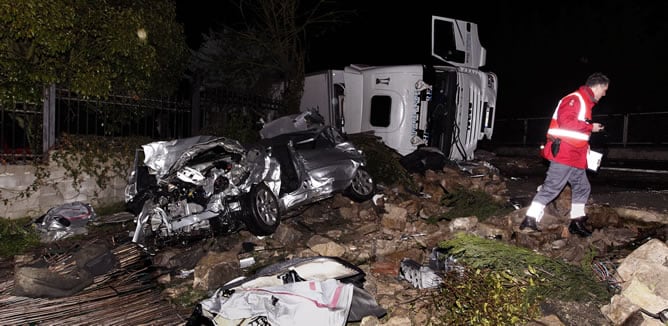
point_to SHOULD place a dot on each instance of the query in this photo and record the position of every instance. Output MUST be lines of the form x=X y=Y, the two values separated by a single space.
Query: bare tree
x=266 y=48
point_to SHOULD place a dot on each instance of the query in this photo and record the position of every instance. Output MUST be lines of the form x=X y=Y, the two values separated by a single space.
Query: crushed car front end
x=191 y=184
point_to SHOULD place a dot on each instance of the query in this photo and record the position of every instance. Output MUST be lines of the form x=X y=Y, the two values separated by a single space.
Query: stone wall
x=57 y=190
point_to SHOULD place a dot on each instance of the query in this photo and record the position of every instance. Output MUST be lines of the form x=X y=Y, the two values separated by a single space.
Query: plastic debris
x=430 y=276
x=422 y=277
x=64 y=221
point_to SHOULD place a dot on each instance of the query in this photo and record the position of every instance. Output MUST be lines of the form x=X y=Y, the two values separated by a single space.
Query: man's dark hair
x=597 y=78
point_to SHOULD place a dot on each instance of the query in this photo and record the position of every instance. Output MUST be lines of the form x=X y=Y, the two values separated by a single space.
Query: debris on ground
x=64 y=221
x=126 y=295
x=300 y=291
x=56 y=277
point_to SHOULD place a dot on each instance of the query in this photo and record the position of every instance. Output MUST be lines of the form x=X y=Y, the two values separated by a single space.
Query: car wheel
x=362 y=186
x=263 y=217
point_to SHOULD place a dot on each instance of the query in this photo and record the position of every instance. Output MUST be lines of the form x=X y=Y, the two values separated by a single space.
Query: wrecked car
x=207 y=183
x=317 y=163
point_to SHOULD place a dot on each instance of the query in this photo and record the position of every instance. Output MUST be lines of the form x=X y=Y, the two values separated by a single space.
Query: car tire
x=362 y=187
x=263 y=215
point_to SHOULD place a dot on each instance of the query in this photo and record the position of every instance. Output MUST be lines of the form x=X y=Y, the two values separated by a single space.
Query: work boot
x=579 y=226
x=529 y=222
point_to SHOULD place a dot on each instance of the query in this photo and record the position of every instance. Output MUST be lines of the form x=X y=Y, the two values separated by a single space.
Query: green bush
x=16 y=237
x=469 y=202
x=502 y=284
x=382 y=161
x=484 y=297
x=557 y=279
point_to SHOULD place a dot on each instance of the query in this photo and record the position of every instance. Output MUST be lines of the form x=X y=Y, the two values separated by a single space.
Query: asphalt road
x=619 y=185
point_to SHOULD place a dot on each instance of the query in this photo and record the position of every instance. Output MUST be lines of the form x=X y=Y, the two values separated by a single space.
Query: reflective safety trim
x=583 y=109
x=577 y=210
x=536 y=211
x=581 y=114
x=558 y=132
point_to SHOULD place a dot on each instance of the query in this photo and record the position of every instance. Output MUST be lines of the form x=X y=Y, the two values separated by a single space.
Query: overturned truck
x=448 y=107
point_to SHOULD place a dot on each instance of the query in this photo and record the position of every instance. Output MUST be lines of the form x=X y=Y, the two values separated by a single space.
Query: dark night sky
x=539 y=54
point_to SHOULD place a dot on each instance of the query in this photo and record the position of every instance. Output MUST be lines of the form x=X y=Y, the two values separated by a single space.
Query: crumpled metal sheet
x=292 y=123
x=290 y=284
x=64 y=221
x=167 y=157
x=301 y=304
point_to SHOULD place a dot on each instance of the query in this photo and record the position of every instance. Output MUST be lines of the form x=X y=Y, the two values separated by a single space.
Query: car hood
x=166 y=157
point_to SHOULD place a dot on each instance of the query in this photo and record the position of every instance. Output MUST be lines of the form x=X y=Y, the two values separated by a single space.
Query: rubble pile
x=399 y=228
x=379 y=235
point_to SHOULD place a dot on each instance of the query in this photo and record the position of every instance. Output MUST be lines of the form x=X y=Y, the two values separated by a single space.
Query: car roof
x=283 y=139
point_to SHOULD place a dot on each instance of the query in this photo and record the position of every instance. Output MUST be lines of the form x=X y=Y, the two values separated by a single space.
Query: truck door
x=389 y=105
x=456 y=42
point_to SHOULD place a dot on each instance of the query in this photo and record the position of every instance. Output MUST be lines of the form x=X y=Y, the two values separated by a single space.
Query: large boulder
x=643 y=275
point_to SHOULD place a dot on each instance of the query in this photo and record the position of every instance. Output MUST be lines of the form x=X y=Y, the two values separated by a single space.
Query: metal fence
x=119 y=116
x=625 y=130
x=232 y=114
x=31 y=129
x=216 y=99
x=20 y=126
x=218 y=103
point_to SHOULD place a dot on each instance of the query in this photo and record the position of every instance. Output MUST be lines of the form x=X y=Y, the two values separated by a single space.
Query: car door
x=323 y=160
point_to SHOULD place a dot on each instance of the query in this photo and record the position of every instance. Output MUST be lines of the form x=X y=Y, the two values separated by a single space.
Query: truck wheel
x=362 y=187
x=263 y=217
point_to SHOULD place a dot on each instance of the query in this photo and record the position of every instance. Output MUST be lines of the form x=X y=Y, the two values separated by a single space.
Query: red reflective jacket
x=569 y=123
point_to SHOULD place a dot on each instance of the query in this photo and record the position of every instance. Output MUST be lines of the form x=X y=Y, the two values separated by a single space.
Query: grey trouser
x=557 y=177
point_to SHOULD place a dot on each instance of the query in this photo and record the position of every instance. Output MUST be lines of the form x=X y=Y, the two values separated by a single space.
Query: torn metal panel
x=166 y=157
x=421 y=277
x=292 y=123
x=64 y=221
x=300 y=291
x=441 y=262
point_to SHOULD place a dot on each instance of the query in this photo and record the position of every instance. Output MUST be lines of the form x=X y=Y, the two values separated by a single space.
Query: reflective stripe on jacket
x=573 y=137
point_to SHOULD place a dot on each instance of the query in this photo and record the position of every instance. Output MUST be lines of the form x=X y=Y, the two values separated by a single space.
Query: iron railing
x=30 y=129
x=624 y=130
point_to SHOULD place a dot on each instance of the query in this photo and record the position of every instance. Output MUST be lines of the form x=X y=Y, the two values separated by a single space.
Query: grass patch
x=15 y=237
x=468 y=202
x=189 y=298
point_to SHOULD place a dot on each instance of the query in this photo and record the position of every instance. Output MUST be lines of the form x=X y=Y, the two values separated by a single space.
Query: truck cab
x=449 y=107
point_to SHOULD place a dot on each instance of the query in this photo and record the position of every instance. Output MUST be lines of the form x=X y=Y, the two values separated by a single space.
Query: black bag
x=555 y=146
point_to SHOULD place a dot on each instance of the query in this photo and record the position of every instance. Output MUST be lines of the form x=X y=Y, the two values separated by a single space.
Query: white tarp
x=303 y=303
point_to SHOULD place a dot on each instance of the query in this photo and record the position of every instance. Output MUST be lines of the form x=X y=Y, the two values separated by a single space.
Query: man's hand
x=597 y=127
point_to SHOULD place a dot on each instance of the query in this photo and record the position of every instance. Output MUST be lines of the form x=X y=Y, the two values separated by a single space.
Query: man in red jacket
x=566 y=149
